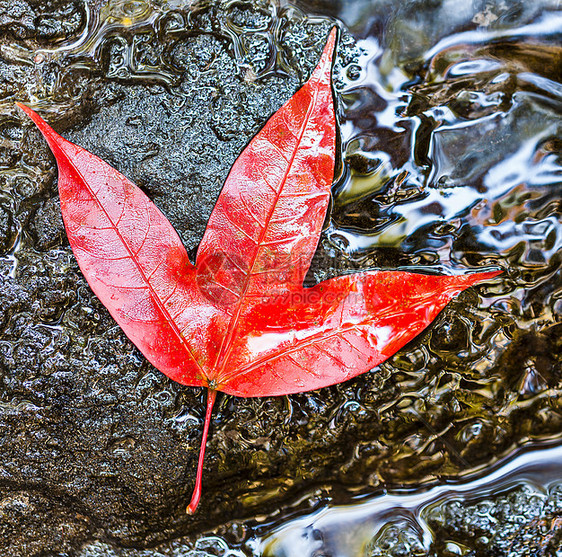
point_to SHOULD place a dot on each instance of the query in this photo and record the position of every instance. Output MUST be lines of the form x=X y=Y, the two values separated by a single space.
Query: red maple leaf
x=240 y=321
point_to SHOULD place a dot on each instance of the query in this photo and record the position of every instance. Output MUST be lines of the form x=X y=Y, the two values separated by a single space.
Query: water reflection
x=464 y=140
x=394 y=519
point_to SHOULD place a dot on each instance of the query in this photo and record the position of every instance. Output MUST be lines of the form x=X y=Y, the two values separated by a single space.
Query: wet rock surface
x=520 y=521
x=524 y=521
x=98 y=445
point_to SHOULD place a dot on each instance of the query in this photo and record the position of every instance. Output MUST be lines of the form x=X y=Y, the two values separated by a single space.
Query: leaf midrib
x=226 y=345
x=310 y=341
x=153 y=293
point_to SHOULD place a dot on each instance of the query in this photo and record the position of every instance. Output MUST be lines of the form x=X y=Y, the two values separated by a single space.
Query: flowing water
x=451 y=144
x=373 y=525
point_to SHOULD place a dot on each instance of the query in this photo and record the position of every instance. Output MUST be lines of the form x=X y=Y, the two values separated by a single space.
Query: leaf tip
x=454 y=284
x=330 y=46
x=475 y=278
x=323 y=70
x=51 y=136
x=44 y=128
x=23 y=107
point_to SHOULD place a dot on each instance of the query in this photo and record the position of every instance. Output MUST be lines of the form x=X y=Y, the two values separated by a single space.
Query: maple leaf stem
x=195 y=498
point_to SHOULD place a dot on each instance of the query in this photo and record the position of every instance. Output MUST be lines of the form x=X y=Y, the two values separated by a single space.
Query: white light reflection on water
x=345 y=531
x=548 y=24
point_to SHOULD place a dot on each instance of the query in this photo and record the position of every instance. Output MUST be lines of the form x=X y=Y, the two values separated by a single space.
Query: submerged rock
x=524 y=521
